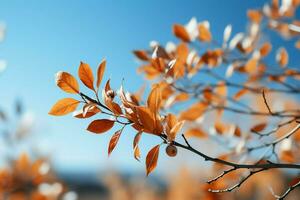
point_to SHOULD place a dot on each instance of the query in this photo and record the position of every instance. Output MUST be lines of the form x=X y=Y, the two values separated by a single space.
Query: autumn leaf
x=85 y=74
x=136 y=147
x=100 y=125
x=282 y=57
x=258 y=127
x=89 y=113
x=151 y=159
x=67 y=82
x=142 y=55
x=180 y=32
x=100 y=72
x=154 y=99
x=195 y=132
x=113 y=141
x=64 y=106
x=146 y=118
x=204 y=33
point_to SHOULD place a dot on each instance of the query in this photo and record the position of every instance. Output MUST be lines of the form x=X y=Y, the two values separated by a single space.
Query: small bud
x=171 y=150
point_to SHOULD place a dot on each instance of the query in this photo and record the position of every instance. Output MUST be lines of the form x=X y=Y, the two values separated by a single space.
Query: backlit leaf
x=204 y=33
x=64 y=106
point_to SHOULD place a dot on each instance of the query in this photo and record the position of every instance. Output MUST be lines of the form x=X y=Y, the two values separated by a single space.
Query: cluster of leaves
x=201 y=81
x=143 y=118
x=20 y=177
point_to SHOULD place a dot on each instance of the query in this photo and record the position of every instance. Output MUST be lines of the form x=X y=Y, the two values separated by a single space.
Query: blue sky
x=44 y=37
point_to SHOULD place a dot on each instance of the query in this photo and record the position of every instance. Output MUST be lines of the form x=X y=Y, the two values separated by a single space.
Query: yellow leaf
x=151 y=159
x=114 y=141
x=100 y=125
x=64 y=106
x=85 y=74
x=100 y=72
x=180 y=32
x=67 y=82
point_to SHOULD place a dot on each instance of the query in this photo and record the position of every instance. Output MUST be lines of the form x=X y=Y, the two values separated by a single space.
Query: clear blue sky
x=44 y=37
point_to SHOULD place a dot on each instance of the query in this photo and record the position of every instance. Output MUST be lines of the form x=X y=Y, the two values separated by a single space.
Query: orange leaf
x=240 y=93
x=67 y=82
x=100 y=125
x=114 y=141
x=151 y=159
x=175 y=129
x=255 y=16
x=265 y=49
x=258 y=127
x=204 y=33
x=251 y=66
x=85 y=74
x=146 y=118
x=136 y=147
x=194 y=111
x=195 y=132
x=64 y=106
x=141 y=54
x=282 y=57
x=154 y=99
x=100 y=72
x=180 y=32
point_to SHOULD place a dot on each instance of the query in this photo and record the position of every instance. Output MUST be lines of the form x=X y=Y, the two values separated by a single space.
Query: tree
x=231 y=92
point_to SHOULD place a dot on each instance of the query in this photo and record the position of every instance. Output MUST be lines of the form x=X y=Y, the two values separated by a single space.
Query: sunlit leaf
x=64 y=106
x=67 y=82
x=85 y=74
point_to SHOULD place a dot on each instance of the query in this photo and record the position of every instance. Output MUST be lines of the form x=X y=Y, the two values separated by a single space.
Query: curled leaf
x=114 y=141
